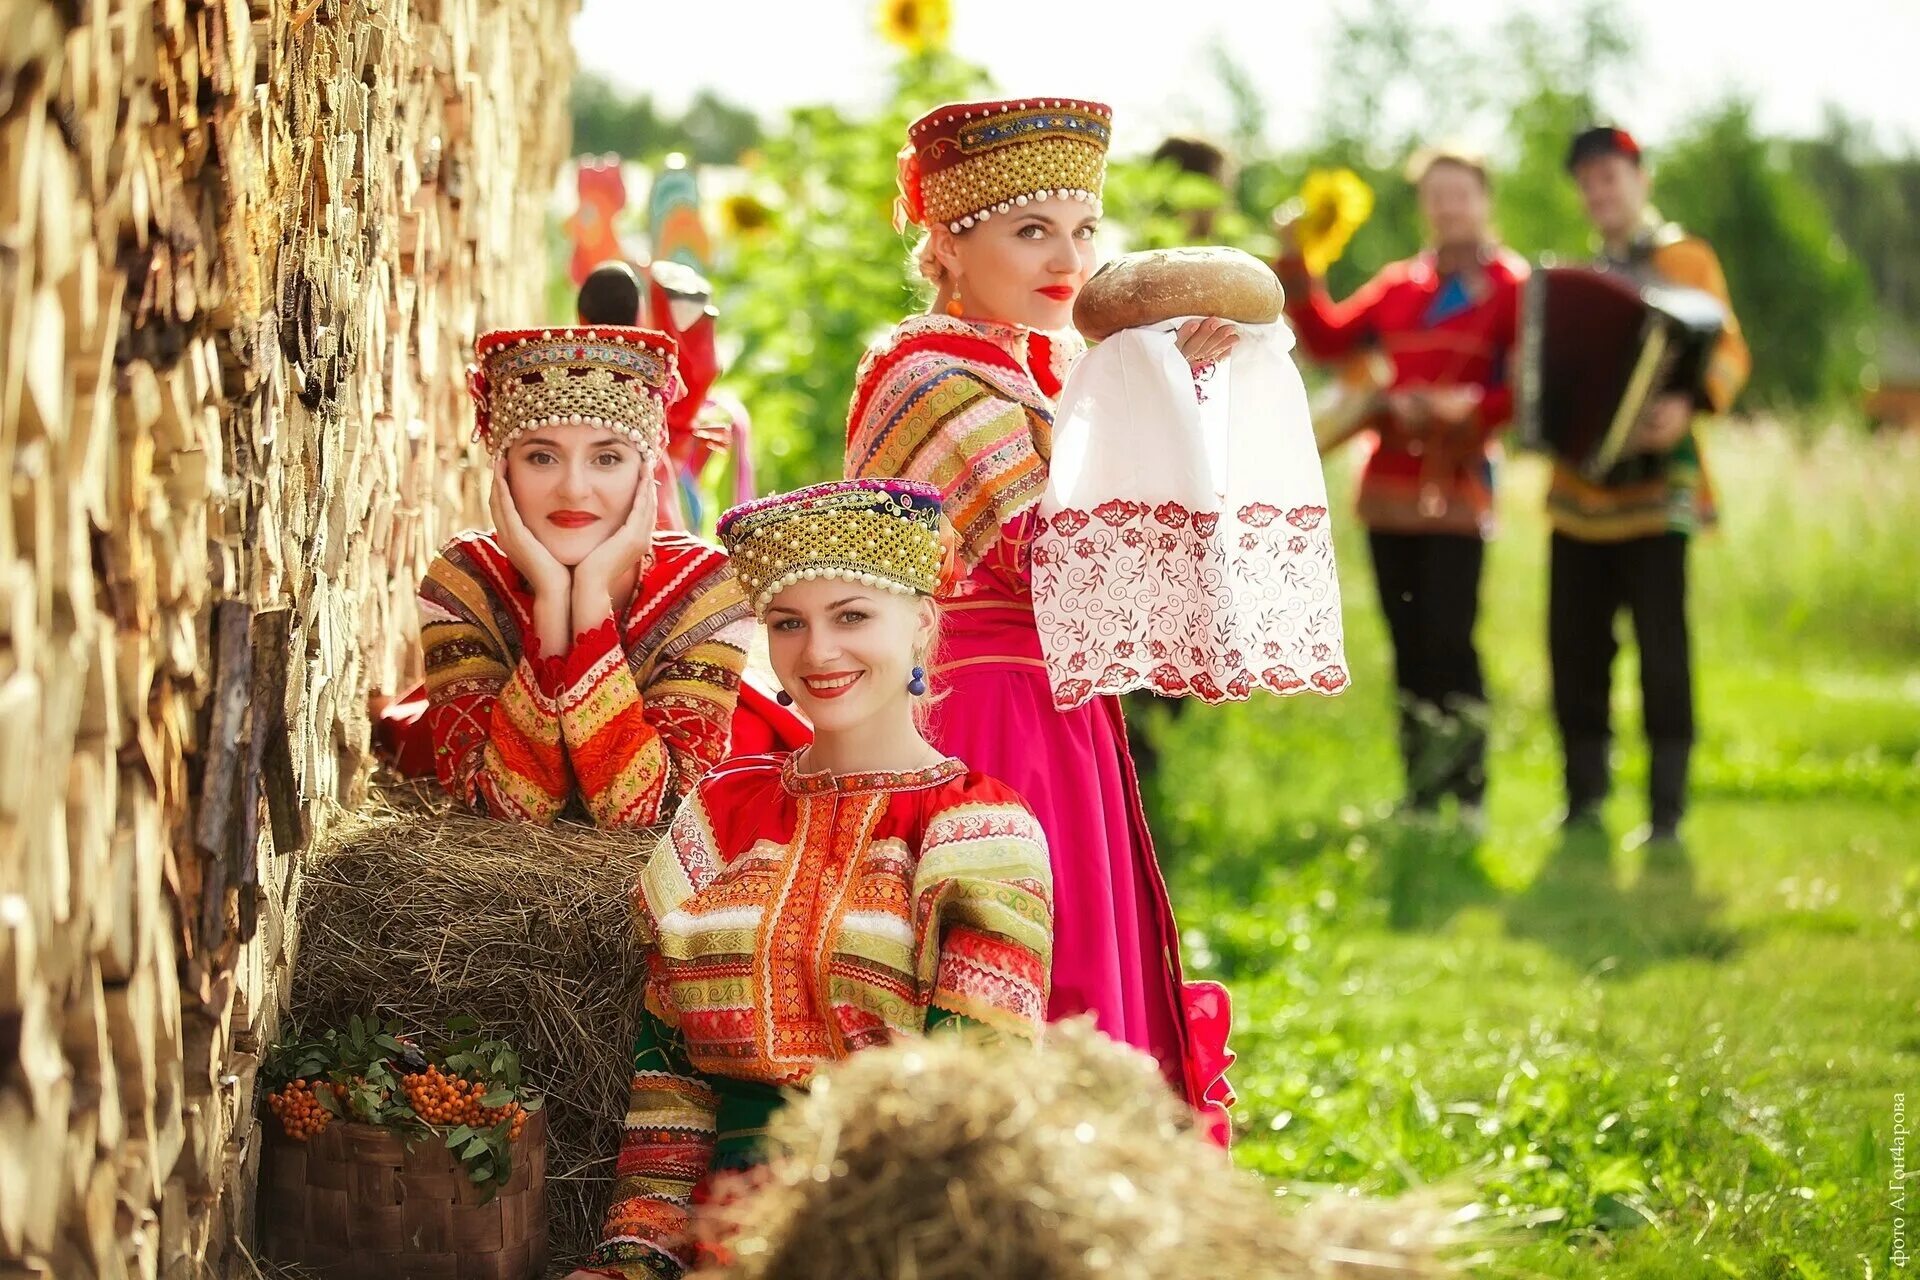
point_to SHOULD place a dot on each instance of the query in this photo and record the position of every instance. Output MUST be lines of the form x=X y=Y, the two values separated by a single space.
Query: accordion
x=1595 y=348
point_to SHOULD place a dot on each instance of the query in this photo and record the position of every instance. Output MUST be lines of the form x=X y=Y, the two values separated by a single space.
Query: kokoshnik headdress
x=967 y=161
x=619 y=379
x=881 y=533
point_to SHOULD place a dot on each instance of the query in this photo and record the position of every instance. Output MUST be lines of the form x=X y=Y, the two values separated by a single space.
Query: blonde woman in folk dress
x=962 y=398
x=807 y=905
x=578 y=659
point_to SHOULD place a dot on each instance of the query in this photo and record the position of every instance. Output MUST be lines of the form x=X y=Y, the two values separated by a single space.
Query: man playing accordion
x=1620 y=537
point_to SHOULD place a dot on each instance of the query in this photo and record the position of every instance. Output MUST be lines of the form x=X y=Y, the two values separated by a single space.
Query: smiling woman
x=807 y=906
x=578 y=658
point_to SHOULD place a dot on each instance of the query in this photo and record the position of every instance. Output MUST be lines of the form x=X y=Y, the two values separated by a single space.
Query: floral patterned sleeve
x=983 y=913
x=494 y=718
x=666 y=1146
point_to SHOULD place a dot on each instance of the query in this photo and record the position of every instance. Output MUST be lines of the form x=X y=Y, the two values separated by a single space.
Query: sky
x=1152 y=61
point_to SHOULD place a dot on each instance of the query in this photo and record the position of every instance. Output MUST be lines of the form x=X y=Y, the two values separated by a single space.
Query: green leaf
x=1622 y=1213
x=1866 y=1153
x=498 y=1098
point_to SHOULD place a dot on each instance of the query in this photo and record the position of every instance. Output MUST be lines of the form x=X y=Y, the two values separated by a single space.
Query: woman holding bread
x=962 y=397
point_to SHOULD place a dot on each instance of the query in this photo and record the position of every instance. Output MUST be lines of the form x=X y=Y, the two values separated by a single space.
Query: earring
x=954 y=306
x=918 y=685
x=784 y=698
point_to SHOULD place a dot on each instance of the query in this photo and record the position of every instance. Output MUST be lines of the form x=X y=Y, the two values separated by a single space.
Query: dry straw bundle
x=416 y=911
x=948 y=1159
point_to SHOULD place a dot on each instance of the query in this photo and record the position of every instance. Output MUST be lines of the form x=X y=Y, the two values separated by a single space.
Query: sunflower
x=1333 y=204
x=743 y=215
x=918 y=26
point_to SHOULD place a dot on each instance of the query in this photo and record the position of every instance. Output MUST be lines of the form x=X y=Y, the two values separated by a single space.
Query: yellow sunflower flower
x=1333 y=204
x=743 y=215
x=918 y=26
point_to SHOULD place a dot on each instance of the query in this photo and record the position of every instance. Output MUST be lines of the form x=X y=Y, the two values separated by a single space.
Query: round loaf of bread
x=1146 y=288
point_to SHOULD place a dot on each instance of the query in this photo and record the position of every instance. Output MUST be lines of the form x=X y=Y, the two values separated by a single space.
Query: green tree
x=1557 y=77
x=1802 y=298
x=1871 y=197
x=606 y=119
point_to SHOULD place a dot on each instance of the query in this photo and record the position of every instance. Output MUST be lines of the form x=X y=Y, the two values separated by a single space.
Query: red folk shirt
x=624 y=723
x=1437 y=328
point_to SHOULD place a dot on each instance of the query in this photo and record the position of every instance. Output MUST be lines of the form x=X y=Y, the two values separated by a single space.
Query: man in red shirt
x=1445 y=321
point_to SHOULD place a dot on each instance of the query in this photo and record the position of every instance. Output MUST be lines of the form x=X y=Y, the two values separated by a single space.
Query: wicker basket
x=353 y=1201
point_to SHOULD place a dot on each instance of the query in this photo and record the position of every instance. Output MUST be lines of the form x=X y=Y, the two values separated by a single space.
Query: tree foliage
x=606 y=120
x=1803 y=298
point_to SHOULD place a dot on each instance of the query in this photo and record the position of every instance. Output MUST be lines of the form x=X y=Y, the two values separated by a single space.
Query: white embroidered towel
x=1183 y=542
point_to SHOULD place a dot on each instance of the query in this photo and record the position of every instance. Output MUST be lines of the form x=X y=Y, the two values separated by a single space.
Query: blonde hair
x=923 y=658
x=924 y=263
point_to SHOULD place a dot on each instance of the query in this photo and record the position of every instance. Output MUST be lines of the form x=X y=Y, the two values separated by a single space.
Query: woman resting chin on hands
x=578 y=660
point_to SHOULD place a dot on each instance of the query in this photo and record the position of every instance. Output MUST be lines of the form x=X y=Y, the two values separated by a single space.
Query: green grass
x=1689 y=1063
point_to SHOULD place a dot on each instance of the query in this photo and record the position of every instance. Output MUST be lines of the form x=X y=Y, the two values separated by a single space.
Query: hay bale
x=410 y=909
x=949 y=1159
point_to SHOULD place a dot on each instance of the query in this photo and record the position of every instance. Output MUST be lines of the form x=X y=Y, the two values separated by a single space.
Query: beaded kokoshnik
x=888 y=534
x=616 y=378
x=967 y=161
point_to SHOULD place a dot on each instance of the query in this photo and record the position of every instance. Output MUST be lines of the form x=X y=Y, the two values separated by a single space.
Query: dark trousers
x=1430 y=593
x=1590 y=583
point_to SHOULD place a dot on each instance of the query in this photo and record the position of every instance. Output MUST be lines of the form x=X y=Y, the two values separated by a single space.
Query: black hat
x=1601 y=140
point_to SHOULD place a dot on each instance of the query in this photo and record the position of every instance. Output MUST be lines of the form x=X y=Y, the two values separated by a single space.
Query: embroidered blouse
x=792 y=919
x=624 y=723
x=967 y=406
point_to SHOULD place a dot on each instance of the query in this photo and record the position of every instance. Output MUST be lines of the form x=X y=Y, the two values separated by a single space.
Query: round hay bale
x=414 y=910
x=954 y=1158
x=1153 y=285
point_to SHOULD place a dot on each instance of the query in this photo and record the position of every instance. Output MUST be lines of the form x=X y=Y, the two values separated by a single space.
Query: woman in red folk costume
x=962 y=398
x=806 y=906
x=578 y=659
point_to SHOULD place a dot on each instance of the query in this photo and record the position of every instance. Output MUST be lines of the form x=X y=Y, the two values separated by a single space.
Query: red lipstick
x=572 y=519
x=1058 y=292
x=832 y=684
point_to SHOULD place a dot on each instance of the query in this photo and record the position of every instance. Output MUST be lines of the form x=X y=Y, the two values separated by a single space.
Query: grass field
x=1692 y=1063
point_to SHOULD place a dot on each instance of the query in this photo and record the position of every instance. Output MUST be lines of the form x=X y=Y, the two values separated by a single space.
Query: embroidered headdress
x=967 y=161
x=884 y=533
x=621 y=379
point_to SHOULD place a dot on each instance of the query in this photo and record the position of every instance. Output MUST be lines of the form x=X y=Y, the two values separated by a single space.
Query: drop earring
x=784 y=698
x=955 y=307
x=918 y=685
